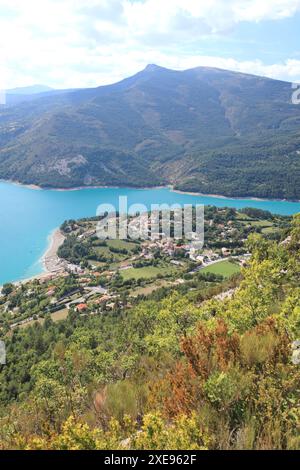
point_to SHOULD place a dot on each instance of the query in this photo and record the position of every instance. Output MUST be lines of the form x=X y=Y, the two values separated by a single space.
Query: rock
x=296 y=352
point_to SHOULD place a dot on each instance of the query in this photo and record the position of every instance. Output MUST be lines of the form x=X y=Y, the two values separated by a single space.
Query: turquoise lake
x=29 y=216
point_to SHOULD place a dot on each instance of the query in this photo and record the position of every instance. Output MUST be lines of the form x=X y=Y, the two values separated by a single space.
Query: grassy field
x=107 y=254
x=246 y=220
x=242 y=216
x=261 y=223
x=57 y=316
x=122 y=244
x=60 y=315
x=268 y=230
x=148 y=272
x=104 y=251
x=224 y=268
x=150 y=288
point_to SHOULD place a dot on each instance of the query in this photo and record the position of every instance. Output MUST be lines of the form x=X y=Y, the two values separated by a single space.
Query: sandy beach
x=51 y=262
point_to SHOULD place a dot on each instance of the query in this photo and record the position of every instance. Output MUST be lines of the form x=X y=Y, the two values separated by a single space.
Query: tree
x=7 y=289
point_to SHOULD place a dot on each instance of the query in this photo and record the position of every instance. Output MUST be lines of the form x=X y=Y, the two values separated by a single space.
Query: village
x=88 y=276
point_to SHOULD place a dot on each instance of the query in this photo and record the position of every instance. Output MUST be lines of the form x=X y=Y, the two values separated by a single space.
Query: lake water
x=29 y=216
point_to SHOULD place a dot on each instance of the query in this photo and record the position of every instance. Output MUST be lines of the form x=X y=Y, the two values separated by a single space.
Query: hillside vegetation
x=170 y=373
x=204 y=129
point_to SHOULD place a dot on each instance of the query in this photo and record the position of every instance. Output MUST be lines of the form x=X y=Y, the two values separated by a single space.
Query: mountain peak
x=153 y=68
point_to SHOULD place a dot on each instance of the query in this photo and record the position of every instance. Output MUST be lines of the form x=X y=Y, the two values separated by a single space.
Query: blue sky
x=78 y=43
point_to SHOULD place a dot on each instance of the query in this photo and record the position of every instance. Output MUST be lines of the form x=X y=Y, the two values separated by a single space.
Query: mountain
x=16 y=96
x=29 y=90
x=204 y=129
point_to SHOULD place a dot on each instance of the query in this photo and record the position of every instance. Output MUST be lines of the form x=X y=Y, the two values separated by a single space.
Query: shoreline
x=22 y=185
x=50 y=261
x=170 y=187
x=79 y=188
x=52 y=264
x=234 y=198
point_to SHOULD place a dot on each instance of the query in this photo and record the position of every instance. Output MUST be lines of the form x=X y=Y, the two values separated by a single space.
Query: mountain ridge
x=203 y=129
x=29 y=90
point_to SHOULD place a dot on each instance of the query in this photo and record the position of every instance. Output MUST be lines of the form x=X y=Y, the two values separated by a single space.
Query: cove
x=29 y=216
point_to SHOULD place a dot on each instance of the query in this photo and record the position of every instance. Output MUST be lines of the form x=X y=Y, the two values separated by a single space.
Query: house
x=81 y=308
x=74 y=269
x=103 y=299
x=50 y=292
x=226 y=252
x=47 y=278
x=87 y=234
x=111 y=305
x=176 y=263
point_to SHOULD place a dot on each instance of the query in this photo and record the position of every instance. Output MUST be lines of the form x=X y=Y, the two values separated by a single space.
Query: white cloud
x=258 y=10
x=215 y=15
x=69 y=43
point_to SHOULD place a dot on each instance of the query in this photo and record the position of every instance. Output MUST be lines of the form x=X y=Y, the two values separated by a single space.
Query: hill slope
x=188 y=370
x=203 y=129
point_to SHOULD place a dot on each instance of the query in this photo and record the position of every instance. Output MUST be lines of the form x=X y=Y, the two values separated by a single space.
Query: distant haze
x=29 y=90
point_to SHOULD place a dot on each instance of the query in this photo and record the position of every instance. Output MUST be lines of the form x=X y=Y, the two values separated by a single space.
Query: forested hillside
x=177 y=372
x=204 y=129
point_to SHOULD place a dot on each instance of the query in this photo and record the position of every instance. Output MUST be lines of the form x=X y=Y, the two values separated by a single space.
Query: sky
x=87 y=43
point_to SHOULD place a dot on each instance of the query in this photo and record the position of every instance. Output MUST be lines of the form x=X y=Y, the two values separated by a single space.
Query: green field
x=148 y=272
x=107 y=254
x=57 y=316
x=242 y=216
x=60 y=315
x=261 y=223
x=122 y=244
x=269 y=230
x=104 y=251
x=224 y=268
x=150 y=288
x=246 y=220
